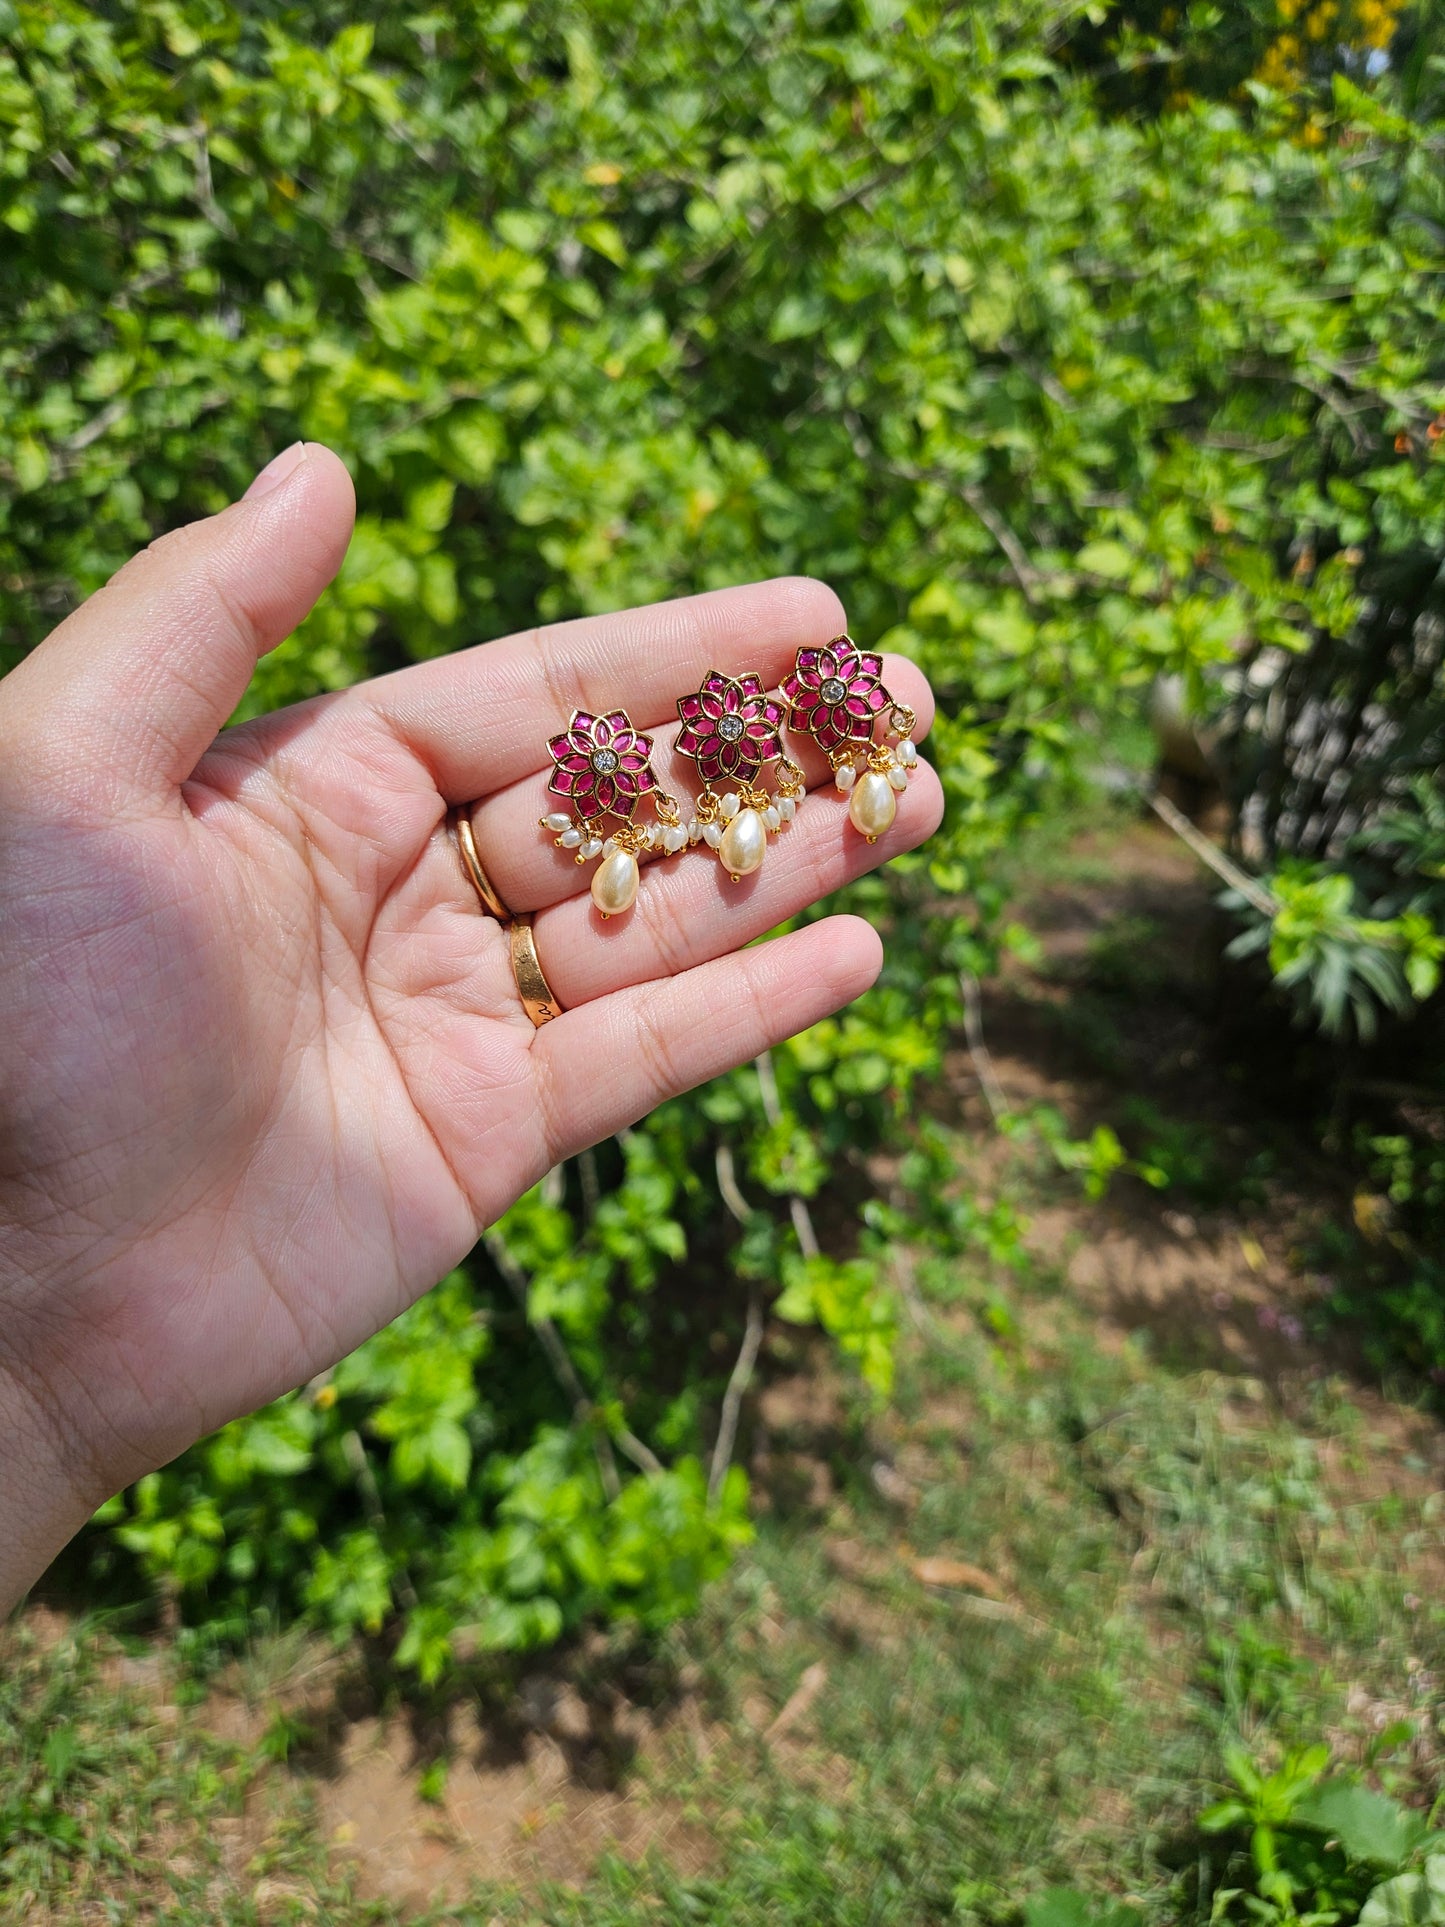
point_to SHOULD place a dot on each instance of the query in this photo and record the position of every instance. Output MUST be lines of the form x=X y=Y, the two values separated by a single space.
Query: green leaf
x=1224 y=1815
x=429 y=506
x=1067 y=1907
x=1369 y=1826
x=797 y=315
x=1353 y=103
x=31 y=465
x=351 y=49
x=1109 y=559
x=450 y=1452
x=59 y=1753
x=605 y=239
x=1409 y=1900
x=473 y=439
x=1422 y=973
x=437 y=588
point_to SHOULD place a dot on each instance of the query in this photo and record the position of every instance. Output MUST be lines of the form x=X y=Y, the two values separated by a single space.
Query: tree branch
x=978 y=1051
x=1250 y=888
x=583 y=1407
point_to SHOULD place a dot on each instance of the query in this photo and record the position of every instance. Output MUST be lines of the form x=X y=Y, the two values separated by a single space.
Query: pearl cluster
x=739 y=830
x=872 y=798
x=738 y=833
x=663 y=837
x=730 y=807
x=666 y=838
x=614 y=885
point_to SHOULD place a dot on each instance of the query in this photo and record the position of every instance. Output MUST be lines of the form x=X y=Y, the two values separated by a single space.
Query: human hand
x=264 y=1073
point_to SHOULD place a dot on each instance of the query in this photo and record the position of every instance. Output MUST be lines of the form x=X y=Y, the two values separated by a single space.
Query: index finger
x=481 y=719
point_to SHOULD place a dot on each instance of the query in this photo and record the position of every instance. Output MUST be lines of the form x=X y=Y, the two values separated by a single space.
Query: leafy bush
x=1319 y=1850
x=1300 y=1845
x=1164 y=52
x=501 y=1561
x=611 y=302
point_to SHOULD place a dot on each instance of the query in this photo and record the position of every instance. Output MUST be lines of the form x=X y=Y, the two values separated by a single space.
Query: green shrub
x=1317 y=1850
x=606 y=302
x=1295 y=1844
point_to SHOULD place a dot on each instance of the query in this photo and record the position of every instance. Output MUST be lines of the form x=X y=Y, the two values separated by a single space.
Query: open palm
x=264 y=1073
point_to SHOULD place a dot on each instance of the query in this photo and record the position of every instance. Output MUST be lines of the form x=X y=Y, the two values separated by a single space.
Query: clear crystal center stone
x=730 y=728
x=833 y=690
x=604 y=761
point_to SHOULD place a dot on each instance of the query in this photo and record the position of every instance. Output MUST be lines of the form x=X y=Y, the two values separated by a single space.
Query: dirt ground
x=1217 y=1284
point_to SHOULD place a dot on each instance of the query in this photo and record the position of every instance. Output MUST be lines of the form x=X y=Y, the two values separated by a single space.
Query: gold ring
x=532 y=986
x=472 y=864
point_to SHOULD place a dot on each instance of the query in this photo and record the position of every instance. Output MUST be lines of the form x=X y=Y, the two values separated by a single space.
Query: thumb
x=138 y=681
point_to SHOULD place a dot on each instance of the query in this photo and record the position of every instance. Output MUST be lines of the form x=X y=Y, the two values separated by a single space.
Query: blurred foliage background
x=1076 y=345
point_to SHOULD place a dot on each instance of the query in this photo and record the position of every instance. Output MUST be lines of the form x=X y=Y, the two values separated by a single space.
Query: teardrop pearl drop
x=614 y=883
x=873 y=805
x=744 y=844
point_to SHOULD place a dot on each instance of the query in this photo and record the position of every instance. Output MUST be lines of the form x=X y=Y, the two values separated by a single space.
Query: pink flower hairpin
x=731 y=727
x=603 y=766
x=836 y=695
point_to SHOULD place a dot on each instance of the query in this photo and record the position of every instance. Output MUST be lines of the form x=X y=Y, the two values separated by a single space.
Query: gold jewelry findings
x=836 y=696
x=532 y=986
x=491 y=903
x=730 y=729
x=604 y=766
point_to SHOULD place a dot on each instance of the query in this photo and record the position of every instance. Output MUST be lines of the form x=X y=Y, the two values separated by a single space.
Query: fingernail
x=276 y=471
